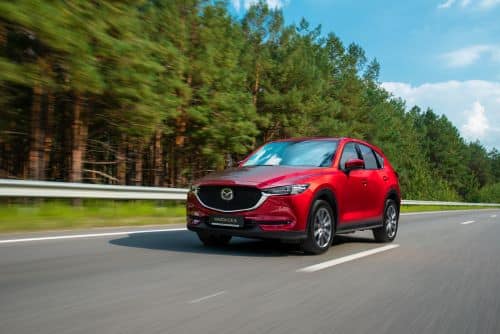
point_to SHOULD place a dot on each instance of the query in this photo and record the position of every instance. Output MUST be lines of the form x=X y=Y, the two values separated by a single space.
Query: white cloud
x=446 y=4
x=478 y=4
x=477 y=123
x=470 y=55
x=454 y=99
x=487 y=4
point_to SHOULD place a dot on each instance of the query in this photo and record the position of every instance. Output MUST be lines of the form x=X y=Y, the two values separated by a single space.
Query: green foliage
x=175 y=88
x=488 y=194
x=427 y=208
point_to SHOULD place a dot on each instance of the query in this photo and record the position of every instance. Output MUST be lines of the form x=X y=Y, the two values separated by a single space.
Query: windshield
x=313 y=153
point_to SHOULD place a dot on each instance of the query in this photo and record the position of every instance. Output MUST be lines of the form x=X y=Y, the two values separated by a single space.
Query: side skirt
x=353 y=227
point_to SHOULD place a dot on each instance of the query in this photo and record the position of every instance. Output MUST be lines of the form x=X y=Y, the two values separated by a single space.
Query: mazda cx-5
x=303 y=190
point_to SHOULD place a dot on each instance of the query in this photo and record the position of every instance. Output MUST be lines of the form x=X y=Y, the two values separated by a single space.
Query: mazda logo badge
x=226 y=194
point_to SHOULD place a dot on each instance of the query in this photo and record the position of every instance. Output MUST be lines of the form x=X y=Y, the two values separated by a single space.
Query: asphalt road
x=443 y=278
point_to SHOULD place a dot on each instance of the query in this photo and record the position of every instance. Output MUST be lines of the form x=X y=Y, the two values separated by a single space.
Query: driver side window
x=349 y=153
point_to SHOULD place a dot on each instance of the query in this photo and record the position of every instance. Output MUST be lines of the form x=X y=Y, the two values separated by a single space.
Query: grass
x=52 y=215
x=423 y=208
x=62 y=215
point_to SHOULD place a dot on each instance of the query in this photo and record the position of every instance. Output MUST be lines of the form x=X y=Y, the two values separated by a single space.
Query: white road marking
x=334 y=262
x=493 y=216
x=90 y=235
x=468 y=222
x=207 y=297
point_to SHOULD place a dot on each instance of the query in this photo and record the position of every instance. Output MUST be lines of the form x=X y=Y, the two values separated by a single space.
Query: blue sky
x=443 y=54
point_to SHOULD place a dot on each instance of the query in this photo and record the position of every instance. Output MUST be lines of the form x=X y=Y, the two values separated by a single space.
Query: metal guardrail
x=46 y=189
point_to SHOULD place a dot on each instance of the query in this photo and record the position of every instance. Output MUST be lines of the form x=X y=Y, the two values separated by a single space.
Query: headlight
x=286 y=190
x=194 y=188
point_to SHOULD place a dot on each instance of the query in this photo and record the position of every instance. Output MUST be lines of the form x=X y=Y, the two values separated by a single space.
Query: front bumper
x=249 y=232
x=278 y=217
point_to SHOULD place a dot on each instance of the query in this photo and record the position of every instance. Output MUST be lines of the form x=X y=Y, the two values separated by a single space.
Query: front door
x=354 y=201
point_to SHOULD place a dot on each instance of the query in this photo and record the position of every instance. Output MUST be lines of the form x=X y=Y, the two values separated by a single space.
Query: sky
x=441 y=54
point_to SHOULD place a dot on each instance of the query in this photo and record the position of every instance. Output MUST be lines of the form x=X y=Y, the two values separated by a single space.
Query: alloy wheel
x=322 y=227
x=391 y=221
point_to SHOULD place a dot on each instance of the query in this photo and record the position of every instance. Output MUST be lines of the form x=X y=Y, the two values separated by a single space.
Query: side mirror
x=354 y=164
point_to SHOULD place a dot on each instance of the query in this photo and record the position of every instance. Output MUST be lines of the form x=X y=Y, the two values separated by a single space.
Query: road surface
x=441 y=275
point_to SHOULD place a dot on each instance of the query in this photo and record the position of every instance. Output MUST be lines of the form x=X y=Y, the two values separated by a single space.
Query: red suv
x=299 y=190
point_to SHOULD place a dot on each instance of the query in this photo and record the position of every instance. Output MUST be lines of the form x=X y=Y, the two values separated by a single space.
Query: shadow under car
x=187 y=242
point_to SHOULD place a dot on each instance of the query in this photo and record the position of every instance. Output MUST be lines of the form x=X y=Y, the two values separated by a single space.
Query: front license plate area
x=227 y=221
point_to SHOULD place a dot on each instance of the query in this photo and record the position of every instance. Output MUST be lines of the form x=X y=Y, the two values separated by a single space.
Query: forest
x=160 y=92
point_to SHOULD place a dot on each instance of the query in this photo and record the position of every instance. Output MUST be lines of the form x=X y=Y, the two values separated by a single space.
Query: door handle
x=385 y=178
x=364 y=182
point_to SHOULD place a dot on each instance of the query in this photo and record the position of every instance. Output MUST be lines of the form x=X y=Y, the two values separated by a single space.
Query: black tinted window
x=368 y=157
x=380 y=160
x=348 y=154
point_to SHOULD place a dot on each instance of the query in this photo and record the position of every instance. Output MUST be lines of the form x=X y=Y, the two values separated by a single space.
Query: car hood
x=260 y=176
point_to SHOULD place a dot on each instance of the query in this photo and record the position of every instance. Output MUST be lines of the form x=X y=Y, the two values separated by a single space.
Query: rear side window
x=368 y=157
x=349 y=153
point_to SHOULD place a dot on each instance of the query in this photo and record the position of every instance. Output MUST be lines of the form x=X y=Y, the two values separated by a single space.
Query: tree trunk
x=49 y=133
x=138 y=165
x=121 y=170
x=256 y=86
x=79 y=139
x=171 y=164
x=3 y=157
x=3 y=34
x=36 y=152
x=181 y=121
x=157 y=159
x=180 y=139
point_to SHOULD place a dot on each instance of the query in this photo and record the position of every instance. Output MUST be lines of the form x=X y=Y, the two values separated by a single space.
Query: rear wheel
x=388 y=231
x=320 y=229
x=210 y=239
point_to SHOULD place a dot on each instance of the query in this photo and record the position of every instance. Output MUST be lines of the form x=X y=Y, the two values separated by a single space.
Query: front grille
x=243 y=197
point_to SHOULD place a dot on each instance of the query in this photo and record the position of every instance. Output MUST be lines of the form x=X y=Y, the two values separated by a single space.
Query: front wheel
x=210 y=239
x=387 y=232
x=320 y=229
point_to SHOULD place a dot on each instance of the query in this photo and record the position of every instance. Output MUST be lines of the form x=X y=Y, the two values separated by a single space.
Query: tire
x=388 y=231
x=212 y=240
x=320 y=228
